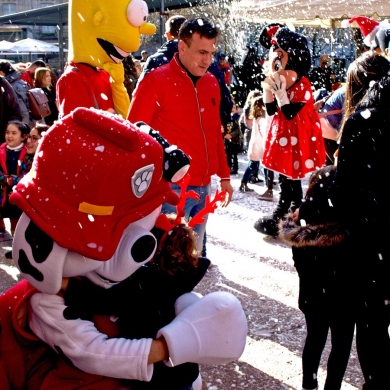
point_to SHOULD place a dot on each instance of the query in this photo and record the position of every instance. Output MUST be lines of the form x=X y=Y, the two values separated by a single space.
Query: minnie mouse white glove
x=210 y=331
x=278 y=85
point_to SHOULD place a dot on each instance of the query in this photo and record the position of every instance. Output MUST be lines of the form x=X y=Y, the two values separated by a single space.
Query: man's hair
x=6 y=67
x=197 y=25
x=38 y=64
x=173 y=24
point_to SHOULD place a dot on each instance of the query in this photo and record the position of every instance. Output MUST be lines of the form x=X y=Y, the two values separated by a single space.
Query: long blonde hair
x=40 y=74
x=257 y=109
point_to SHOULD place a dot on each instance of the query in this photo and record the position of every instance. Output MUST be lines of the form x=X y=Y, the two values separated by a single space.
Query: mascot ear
x=39 y=259
x=97 y=18
x=267 y=33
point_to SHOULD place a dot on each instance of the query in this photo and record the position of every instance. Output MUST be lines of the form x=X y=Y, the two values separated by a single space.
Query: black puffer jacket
x=319 y=248
x=321 y=259
x=161 y=57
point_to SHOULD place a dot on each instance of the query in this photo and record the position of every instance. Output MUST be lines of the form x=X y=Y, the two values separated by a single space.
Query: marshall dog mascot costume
x=101 y=35
x=294 y=146
x=90 y=202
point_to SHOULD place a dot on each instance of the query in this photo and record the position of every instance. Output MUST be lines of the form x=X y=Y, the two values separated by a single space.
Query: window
x=47 y=30
x=9 y=8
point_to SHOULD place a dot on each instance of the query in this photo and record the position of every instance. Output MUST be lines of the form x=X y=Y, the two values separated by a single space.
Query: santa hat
x=93 y=175
x=368 y=27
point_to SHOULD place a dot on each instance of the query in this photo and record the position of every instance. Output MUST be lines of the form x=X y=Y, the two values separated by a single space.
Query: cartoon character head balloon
x=101 y=31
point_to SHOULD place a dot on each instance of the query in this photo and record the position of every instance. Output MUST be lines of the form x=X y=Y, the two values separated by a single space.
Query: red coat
x=5 y=189
x=188 y=117
x=80 y=85
x=295 y=147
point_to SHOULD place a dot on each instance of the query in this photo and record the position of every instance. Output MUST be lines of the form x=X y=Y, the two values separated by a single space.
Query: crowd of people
x=292 y=120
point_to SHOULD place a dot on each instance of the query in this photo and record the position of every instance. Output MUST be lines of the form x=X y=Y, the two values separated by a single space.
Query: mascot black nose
x=143 y=248
x=176 y=162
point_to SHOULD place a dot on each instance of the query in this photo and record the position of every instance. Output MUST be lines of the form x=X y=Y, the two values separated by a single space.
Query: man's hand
x=226 y=186
x=158 y=351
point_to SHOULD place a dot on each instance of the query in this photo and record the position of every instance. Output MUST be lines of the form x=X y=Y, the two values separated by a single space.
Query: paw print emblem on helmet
x=141 y=180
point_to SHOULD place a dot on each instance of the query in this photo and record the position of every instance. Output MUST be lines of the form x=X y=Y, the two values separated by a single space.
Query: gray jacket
x=21 y=88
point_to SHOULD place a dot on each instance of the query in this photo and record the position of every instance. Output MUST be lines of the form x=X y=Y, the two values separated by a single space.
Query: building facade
x=13 y=33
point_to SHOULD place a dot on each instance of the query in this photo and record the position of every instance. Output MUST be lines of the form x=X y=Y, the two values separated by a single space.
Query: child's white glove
x=210 y=331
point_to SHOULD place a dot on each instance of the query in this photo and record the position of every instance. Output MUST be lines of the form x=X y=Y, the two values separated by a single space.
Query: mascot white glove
x=277 y=84
x=210 y=331
x=186 y=300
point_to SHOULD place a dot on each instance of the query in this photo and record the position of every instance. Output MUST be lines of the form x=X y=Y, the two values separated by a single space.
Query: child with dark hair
x=325 y=294
x=175 y=269
x=12 y=152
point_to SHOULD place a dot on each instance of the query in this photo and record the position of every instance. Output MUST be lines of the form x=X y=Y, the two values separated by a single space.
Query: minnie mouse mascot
x=294 y=146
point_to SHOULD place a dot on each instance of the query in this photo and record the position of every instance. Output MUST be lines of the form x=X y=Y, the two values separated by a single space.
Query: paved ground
x=260 y=272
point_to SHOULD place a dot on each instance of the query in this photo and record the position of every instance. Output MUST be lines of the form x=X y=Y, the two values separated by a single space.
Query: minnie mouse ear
x=266 y=34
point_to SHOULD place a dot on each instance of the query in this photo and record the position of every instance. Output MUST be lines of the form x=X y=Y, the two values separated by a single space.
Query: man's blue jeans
x=191 y=208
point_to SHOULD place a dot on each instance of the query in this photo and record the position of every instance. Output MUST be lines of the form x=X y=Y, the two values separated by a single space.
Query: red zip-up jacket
x=187 y=116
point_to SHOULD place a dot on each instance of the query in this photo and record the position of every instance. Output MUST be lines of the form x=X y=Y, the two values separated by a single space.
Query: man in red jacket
x=181 y=100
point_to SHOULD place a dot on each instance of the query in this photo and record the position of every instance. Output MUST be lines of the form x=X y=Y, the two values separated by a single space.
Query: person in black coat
x=9 y=106
x=326 y=298
x=145 y=301
x=360 y=195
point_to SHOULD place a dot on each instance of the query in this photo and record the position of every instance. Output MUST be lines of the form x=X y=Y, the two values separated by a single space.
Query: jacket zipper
x=200 y=117
x=203 y=132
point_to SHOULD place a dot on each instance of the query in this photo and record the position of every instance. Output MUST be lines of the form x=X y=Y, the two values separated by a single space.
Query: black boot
x=290 y=198
x=268 y=225
x=244 y=187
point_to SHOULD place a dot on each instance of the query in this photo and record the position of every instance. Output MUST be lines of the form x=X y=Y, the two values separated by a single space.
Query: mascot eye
x=277 y=65
x=137 y=12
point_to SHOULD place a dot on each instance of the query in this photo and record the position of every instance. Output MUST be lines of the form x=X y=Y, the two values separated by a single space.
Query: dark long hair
x=366 y=69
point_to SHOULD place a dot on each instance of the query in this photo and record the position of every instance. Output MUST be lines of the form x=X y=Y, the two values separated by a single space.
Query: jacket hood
x=169 y=48
x=322 y=235
x=15 y=76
